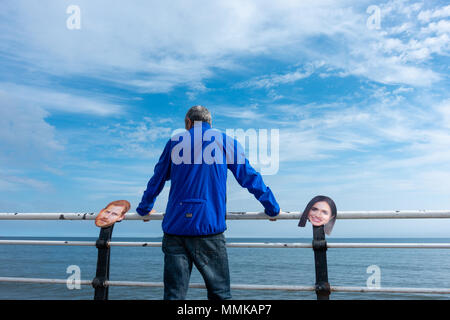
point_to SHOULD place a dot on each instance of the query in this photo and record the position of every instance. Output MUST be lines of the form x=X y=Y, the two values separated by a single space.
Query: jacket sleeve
x=155 y=185
x=250 y=179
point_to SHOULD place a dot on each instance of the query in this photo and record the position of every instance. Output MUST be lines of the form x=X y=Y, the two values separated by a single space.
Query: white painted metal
x=202 y=286
x=390 y=245
x=392 y=290
x=341 y=245
x=134 y=244
x=48 y=243
x=417 y=214
x=235 y=244
x=230 y=244
x=238 y=286
x=41 y=280
x=47 y=216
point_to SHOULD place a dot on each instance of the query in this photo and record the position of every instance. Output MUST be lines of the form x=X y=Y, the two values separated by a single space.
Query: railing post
x=320 y=258
x=102 y=273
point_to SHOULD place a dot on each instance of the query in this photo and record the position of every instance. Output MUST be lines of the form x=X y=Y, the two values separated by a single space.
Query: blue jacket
x=198 y=174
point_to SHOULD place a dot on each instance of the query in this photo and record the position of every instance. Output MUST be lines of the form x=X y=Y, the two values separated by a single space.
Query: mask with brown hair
x=115 y=211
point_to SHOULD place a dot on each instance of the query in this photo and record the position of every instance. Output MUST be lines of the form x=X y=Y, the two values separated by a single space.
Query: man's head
x=197 y=113
x=114 y=212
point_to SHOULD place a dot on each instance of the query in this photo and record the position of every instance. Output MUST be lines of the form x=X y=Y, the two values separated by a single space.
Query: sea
x=412 y=268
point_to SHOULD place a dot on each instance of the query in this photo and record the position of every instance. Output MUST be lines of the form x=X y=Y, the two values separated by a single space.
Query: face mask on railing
x=112 y=213
x=320 y=211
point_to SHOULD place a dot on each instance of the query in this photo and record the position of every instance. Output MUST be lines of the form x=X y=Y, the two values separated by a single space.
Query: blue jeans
x=209 y=255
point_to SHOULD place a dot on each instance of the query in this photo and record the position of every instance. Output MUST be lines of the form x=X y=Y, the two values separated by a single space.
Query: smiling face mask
x=112 y=213
x=319 y=214
x=320 y=211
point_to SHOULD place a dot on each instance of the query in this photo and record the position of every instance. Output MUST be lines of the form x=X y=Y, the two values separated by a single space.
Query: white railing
x=235 y=244
x=293 y=215
x=418 y=214
x=233 y=286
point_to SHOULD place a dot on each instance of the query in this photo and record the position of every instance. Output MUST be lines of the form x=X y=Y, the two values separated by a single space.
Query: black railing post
x=320 y=258
x=102 y=273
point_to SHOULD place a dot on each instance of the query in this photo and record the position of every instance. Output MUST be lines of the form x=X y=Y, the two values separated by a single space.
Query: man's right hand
x=147 y=216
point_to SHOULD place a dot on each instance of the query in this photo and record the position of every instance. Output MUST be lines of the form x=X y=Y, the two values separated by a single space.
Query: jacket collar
x=205 y=125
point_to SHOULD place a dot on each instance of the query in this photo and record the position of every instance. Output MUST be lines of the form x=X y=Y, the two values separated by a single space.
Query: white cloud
x=427 y=15
x=13 y=183
x=103 y=188
x=404 y=7
x=440 y=27
x=25 y=136
x=403 y=28
x=444 y=110
x=278 y=79
x=131 y=139
x=52 y=100
x=244 y=113
x=154 y=47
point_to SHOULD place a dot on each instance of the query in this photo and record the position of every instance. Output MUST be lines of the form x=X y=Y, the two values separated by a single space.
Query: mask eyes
x=316 y=210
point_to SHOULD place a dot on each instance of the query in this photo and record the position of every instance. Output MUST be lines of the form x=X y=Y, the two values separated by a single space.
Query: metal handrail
x=234 y=286
x=285 y=215
x=235 y=244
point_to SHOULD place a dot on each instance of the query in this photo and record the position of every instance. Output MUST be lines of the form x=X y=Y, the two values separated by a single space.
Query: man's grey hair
x=199 y=113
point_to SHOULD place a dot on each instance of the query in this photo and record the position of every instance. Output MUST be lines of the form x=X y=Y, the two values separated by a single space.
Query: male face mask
x=112 y=213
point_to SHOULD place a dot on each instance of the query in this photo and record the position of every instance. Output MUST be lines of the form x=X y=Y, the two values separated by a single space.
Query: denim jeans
x=207 y=253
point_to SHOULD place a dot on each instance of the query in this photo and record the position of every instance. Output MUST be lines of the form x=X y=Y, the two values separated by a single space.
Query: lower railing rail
x=233 y=286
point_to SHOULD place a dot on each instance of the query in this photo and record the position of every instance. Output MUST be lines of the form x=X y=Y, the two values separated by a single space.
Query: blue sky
x=363 y=113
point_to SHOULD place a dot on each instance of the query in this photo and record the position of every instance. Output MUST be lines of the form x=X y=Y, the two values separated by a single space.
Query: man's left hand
x=146 y=218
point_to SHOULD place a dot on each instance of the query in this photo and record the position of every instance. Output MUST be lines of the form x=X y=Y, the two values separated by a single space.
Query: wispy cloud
x=54 y=100
x=103 y=188
x=245 y=113
x=151 y=55
x=427 y=15
x=278 y=79
x=135 y=139
x=13 y=183
x=25 y=136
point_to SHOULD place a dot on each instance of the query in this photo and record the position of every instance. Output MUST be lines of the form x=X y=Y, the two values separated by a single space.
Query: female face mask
x=319 y=214
x=320 y=211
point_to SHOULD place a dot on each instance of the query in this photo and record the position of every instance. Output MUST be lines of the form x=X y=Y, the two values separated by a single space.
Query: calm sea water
x=425 y=268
